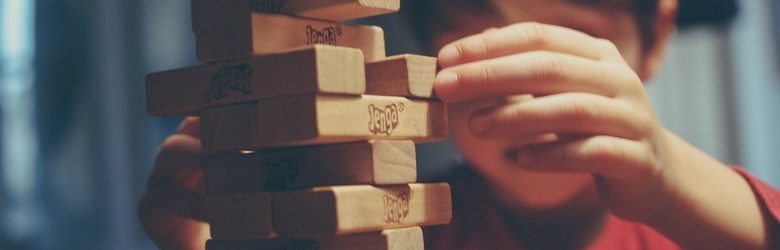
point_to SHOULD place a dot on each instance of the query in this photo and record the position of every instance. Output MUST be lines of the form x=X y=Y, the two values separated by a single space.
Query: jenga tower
x=309 y=127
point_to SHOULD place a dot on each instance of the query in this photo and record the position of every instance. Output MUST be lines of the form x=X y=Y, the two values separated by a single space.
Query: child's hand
x=590 y=99
x=173 y=209
x=583 y=88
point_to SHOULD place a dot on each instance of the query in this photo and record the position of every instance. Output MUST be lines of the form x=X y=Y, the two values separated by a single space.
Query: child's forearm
x=710 y=205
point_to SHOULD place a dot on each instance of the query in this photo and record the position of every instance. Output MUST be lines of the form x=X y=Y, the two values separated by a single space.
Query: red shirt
x=479 y=222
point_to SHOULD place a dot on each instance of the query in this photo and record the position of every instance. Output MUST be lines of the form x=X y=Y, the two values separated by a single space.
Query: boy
x=561 y=146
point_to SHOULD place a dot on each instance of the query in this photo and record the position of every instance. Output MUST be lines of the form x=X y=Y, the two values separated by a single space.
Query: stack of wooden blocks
x=309 y=127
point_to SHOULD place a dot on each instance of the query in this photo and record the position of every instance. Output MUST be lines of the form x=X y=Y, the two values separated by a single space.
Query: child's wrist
x=667 y=195
x=701 y=203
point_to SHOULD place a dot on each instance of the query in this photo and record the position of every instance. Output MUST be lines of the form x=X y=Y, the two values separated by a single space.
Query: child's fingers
x=178 y=153
x=175 y=217
x=539 y=73
x=173 y=209
x=576 y=113
x=190 y=126
x=524 y=37
x=175 y=199
x=490 y=30
x=608 y=156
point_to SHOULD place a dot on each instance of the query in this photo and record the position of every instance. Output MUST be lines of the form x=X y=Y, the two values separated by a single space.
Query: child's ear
x=663 y=26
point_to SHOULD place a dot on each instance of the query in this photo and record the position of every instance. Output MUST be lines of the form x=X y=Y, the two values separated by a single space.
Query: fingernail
x=526 y=159
x=448 y=56
x=481 y=122
x=445 y=83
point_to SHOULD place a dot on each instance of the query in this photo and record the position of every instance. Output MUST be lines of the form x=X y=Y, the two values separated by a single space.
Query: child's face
x=531 y=190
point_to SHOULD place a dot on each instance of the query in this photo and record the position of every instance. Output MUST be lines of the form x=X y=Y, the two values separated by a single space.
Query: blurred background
x=76 y=144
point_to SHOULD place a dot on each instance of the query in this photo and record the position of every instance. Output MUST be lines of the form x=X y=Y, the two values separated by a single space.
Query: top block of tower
x=228 y=35
x=333 y=10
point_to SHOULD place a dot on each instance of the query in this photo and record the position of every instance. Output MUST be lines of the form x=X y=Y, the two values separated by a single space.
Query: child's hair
x=426 y=14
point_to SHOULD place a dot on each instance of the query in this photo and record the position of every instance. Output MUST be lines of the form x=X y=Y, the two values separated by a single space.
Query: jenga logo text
x=327 y=35
x=384 y=120
x=279 y=174
x=269 y=6
x=397 y=207
x=231 y=78
x=300 y=245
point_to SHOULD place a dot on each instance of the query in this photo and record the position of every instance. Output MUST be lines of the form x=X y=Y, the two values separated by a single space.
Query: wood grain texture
x=320 y=119
x=402 y=75
x=391 y=239
x=223 y=35
x=333 y=10
x=310 y=69
x=246 y=216
x=356 y=209
x=377 y=162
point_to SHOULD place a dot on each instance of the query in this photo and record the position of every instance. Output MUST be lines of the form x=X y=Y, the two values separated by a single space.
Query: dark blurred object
x=699 y=12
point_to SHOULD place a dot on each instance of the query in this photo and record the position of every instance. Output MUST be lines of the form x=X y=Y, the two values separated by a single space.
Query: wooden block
x=246 y=216
x=311 y=69
x=319 y=119
x=391 y=239
x=355 y=209
x=220 y=36
x=368 y=162
x=333 y=10
x=402 y=75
